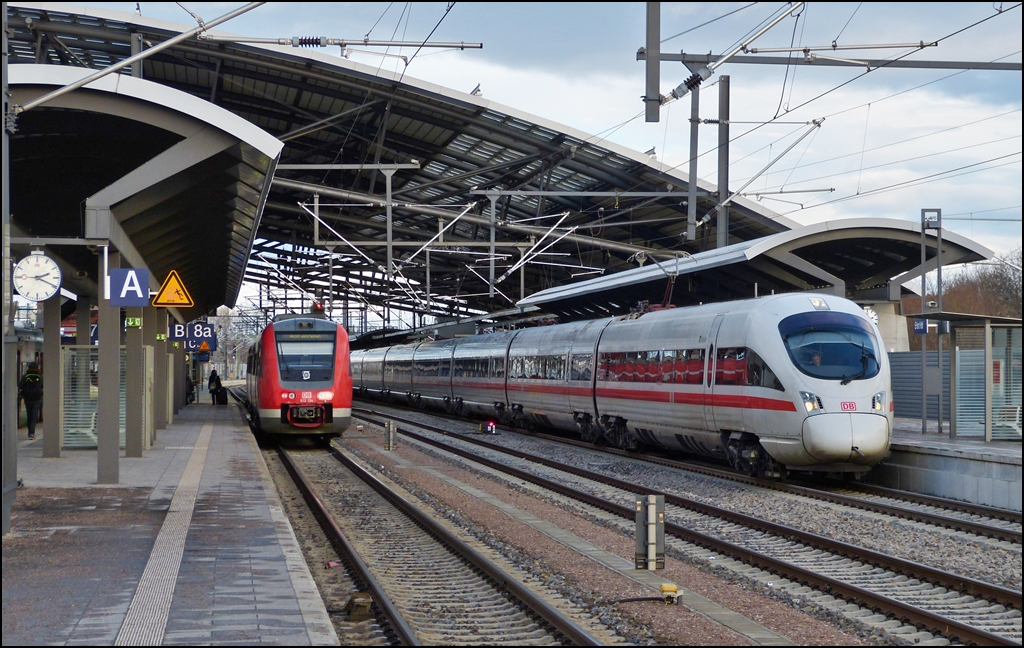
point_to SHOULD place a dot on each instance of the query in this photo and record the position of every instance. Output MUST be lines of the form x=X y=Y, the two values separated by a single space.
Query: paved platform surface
x=907 y=436
x=965 y=469
x=192 y=547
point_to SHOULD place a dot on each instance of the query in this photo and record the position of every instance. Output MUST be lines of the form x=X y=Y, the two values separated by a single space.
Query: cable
x=910 y=159
x=789 y=57
x=836 y=39
x=367 y=37
x=916 y=181
x=708 y=22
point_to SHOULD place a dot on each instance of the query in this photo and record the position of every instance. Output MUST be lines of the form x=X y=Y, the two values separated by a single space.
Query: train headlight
x=812 y=404
x=287 y=395
x=325 y=396
x=878 y=402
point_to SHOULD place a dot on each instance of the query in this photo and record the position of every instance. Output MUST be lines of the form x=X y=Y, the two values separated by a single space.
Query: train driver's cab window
x=305 y=356
x=831 y=345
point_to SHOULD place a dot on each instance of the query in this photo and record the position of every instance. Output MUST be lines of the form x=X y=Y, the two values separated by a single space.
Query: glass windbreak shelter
x=985 y=376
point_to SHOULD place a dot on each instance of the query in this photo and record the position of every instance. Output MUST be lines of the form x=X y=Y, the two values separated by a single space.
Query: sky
x=893 y=141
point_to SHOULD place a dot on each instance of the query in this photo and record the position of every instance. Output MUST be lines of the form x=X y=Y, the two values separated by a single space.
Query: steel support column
x=51 y=377
x=723 y=161
x=691 y=181
x=134 y=374
x=108 y=400
x=161 y=390
x=149 y=331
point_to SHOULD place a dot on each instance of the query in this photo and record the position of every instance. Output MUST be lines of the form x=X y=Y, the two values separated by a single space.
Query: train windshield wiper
x=283 y=360
x=865 y=355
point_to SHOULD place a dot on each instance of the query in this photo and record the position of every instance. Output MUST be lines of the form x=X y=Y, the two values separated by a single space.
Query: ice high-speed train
x=796 y=381
x=298 y=380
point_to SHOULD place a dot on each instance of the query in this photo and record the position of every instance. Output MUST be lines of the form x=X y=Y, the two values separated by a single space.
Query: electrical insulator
x=309 y=41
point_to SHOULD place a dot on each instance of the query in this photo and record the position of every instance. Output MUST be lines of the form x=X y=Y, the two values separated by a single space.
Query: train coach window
x=669 y=357
x=652 y=366
x=580 y=366
x=497 y=367
x=731 y=368
x=610 y=366
x=759 y=374
x=554 y=367
x=831 y=345
x=515 y=367
x=689 y=366
x=426 y=368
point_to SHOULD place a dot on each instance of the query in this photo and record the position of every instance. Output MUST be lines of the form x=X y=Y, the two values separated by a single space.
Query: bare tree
x=991 y=288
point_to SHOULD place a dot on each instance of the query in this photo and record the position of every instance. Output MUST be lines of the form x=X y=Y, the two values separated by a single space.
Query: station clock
x=37 y=277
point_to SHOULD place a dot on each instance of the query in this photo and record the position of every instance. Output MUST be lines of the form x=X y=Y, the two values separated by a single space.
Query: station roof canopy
x=329 y=110
x=864 y=259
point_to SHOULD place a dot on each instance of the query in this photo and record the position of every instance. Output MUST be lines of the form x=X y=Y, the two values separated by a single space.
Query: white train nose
x=846 y=438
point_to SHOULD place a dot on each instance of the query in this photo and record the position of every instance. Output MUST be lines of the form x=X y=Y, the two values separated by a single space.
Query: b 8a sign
x=194 y=334
x=192 y=331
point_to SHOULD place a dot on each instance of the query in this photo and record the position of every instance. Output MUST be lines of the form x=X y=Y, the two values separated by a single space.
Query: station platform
x=969 y=470
x=192 y=547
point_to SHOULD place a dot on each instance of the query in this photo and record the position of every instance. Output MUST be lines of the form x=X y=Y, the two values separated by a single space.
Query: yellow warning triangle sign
x=172 y=293
x=204 y=346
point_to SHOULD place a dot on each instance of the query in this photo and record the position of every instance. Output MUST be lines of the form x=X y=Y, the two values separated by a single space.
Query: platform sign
x=172 y=293
x=920 y=326
x=129 y=287
x=195 y=336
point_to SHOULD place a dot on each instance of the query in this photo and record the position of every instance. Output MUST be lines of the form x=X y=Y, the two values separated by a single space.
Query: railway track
x=963 y=517
x=983 y=521
x=907 y=593
x=428 y=587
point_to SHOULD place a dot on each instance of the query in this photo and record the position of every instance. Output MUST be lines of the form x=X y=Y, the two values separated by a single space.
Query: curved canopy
x=172 y=181
x=329 y=110
x=864 y=259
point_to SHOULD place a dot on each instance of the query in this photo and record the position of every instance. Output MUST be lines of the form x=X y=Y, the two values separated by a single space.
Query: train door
x=709 y=372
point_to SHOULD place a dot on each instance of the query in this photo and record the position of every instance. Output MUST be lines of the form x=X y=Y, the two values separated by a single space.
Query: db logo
x=307 y=395
x=847 y=406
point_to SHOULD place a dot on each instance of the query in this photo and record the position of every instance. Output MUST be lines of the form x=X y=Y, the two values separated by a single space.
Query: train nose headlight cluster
x=878 y=402
x=812 y=404
x=325 y=396
x=287 y=395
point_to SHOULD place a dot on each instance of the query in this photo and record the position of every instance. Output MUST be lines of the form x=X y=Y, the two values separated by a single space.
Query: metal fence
x=79 y=395
x=906 y=384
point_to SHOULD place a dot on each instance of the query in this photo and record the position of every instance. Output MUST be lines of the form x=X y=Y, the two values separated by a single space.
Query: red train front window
x=305 y=356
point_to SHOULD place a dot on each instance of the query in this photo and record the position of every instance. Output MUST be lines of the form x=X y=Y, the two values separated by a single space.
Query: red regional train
x=797 y=381
x=298 y=380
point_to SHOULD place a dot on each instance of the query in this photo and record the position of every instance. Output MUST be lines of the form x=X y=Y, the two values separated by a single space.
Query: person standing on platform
x=214 y=386
x=31 y=390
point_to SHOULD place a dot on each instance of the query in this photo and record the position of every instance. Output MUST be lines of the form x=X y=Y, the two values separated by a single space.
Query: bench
x=1007 y=416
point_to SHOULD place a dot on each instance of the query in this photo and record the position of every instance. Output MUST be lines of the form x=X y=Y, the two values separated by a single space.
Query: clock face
x=37 y=277
x=871 y=313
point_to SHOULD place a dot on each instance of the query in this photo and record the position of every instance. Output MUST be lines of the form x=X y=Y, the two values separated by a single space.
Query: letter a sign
x=129 y=287
x=172 y=293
